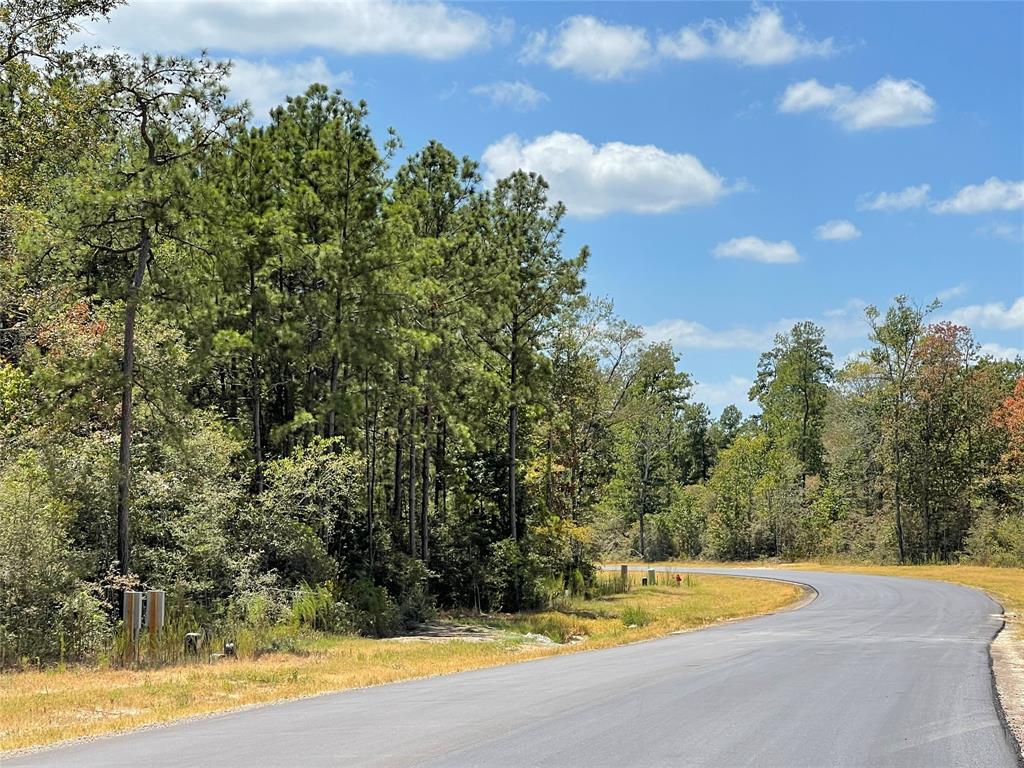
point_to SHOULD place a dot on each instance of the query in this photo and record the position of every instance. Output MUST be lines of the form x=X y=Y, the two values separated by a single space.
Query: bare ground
x=1008 y=667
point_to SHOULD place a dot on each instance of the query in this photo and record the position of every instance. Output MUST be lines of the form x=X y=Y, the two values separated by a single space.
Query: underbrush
x=42 y=706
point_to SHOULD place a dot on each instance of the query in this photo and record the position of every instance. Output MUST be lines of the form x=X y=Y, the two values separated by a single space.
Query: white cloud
x=265 y=85
x=593 y=180
x=845 y=322
x=992 y=315
x=429 y=30
x=1000 y=352
x=718 y=394
x=760 y=39
x=591 y=48
x=687 y=334
x=991 y=195
x=518 y=95
x=889 y=103
x=756 y=249
x=909 y=197
x=951 y=293
x=837 y=229
x=1002 y=230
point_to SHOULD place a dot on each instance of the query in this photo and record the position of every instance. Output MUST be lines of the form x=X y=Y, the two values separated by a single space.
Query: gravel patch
x=1008 y=667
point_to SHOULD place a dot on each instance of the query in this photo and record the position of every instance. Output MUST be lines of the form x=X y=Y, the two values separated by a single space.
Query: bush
x=510 y=577
x=997 y=540
x=409 y=582
x=47 y=612
x=316 y=608
x=374 y=613
x=635 y=616
x=555 y=626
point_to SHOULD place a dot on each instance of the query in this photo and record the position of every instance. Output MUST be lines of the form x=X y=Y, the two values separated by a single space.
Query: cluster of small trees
x=911 y=452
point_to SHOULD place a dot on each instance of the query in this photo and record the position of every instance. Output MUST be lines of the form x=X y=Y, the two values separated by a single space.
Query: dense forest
x=239 y=359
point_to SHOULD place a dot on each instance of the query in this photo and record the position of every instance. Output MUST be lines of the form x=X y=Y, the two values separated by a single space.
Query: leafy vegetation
x=42 y=706
x=305 y=382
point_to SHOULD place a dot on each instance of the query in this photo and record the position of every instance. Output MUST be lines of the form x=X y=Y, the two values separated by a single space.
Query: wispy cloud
x=952 y=292
x=1000 y=352
x=837 y=229
x=991 y=195
x=265 y=85
x=994 y=315
x=517 y=95
x=889 y=103
x=755 y=249
x=905 y=199
x=716 y=395
x=760 y=39
x=1002 y=230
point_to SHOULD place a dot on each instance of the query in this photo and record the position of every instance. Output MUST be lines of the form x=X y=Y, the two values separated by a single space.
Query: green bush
x=510 y=577
x=635 y=616
x=374 y=613
x=997 y=540
x=47 y=612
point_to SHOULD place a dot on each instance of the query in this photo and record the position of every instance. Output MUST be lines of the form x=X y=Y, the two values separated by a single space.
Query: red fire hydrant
x=678 y=579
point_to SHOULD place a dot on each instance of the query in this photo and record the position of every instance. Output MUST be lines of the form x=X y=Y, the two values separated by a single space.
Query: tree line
x=236 y=358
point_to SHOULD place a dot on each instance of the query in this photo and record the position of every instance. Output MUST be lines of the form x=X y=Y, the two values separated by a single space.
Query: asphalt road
x=875 y=671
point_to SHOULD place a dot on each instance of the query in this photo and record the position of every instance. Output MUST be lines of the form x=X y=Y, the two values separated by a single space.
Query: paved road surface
x=875 y=671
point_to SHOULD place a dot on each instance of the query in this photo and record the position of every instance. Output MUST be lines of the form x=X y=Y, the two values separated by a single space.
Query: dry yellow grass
x=1005 y=584
x=41 y=707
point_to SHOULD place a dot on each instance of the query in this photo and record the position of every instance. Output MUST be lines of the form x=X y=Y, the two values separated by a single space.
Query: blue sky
x=733 y=167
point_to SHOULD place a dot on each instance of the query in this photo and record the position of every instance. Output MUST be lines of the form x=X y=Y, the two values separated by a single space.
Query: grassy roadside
x=42 y=707
x=1005 y=584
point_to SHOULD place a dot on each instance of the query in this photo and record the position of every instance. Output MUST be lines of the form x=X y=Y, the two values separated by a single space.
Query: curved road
x=876 y=671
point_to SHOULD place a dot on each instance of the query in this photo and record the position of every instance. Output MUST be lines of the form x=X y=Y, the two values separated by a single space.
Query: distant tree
x=896 y=337
x=792 y=389
x=644 y=471
x=533 y=282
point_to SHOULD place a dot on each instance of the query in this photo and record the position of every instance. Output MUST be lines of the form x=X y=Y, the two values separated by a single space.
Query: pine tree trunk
x=254 y=385
x=425 y=488
x=124 y=459
x=396 y=494
x=513 y=428
x=412 y=482
x=372 y=492
x=439 y=470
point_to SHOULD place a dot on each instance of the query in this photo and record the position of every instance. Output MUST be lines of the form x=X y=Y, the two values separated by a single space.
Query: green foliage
x=997 y=540
x=46 y=610
x=636 y=616
x=792 y=389
x=254 y=367
x=374 y=612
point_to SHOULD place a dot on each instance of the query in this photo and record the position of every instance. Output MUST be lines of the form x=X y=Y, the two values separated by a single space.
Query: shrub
x=555 y=626
x=997 y=540
x=510 y=577
x=46 y=611
x=635 y=616
x=374 y=613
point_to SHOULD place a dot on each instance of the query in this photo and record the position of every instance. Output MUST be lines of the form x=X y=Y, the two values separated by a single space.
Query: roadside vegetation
x=313 y=384
x=40 y=707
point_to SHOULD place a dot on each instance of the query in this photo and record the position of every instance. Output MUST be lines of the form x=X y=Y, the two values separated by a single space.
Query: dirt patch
x=442 y=631
x=1008 y=667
